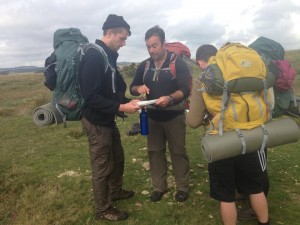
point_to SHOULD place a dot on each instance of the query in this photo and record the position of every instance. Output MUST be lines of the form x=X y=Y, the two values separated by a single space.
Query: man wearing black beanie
x=103 y=89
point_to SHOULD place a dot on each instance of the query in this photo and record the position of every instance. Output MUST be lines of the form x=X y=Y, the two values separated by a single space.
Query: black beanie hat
x=113 y=21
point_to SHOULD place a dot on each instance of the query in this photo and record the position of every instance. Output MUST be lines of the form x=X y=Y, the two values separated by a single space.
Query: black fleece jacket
x=101 y=103
x=165 y=85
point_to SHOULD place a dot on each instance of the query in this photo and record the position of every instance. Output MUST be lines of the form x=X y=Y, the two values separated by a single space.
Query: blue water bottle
x=144 y=122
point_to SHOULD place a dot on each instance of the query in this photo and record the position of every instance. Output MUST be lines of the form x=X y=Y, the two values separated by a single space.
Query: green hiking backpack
x=284 y=97
x=69 y=47
x=268 y=48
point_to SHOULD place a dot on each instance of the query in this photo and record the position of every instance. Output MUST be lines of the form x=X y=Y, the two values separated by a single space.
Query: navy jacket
x=101 y=102
x=163 y=84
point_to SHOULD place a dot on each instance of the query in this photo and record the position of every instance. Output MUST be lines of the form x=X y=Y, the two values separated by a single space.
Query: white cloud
x=27 y=26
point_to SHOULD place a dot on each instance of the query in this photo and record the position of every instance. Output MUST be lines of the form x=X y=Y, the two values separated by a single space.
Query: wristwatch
x=171 y=101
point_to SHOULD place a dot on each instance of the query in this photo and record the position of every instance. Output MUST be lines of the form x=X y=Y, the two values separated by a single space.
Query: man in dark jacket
x=155 y=78
x=103 y=89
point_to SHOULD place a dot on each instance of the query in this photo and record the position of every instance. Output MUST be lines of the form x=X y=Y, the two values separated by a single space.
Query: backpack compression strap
x=223 y=107
x=261 y=152
x=266 y=99
x=242 y=137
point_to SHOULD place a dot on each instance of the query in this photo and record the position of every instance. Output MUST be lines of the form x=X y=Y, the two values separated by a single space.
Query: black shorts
x=242 y=173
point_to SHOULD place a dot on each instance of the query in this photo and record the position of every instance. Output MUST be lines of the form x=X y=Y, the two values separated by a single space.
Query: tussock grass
x=6 y=112
x=22 y=93
x=41 y=98
x=76 y=133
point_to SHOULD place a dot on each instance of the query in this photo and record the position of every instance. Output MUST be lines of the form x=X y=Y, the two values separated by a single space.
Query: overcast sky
x=27 y=26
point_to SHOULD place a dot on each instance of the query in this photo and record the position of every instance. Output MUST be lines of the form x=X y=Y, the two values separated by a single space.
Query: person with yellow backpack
x=223 y=103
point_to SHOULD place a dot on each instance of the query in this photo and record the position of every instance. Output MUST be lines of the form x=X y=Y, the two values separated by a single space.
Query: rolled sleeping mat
x=46 y=115
x=280 y=132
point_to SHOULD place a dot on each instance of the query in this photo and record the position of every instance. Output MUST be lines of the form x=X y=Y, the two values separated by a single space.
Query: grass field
x=45 y=172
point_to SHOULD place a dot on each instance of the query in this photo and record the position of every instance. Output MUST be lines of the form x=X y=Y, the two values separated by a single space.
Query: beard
x=157 y=56
x=154 y=56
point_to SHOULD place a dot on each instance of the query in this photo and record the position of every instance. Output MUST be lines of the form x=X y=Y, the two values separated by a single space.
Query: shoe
x=181 y=196
x=156 y=196
x=112 y=214
x=123 y=195
x=246 y=214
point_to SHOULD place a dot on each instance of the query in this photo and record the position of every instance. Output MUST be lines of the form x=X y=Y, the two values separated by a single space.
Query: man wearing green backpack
x=103 y=90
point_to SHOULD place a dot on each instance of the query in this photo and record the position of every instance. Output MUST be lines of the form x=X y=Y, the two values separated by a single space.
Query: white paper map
x=148 y=102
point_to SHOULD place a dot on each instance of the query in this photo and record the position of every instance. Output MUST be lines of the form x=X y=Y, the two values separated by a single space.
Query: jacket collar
x=112 y=55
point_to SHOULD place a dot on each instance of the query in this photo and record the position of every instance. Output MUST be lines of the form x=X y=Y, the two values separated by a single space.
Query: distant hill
x=21 y=69
x=35 y=69
x=124 y=63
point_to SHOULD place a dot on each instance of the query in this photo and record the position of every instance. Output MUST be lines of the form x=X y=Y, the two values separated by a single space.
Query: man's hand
x=130 y=107
x=134 y=101
x=143 y=89
x=163 y=101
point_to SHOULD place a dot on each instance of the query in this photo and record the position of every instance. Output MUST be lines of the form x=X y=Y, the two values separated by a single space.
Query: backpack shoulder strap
x=172 y=65
x=106 y=61
x=88 y=46
x=147 y=67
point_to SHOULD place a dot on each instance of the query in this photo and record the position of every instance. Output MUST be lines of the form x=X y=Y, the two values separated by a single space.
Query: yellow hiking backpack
x=241 y=101
x=243 y=111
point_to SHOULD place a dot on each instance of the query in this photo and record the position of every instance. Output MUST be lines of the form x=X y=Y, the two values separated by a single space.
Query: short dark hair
x=156 y=31
x=204 y=52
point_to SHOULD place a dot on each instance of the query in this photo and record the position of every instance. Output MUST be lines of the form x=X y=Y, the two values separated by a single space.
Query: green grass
x=45 y=172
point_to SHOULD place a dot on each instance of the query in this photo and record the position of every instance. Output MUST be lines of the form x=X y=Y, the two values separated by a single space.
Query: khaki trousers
x=173 y=133
x=107 y=162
